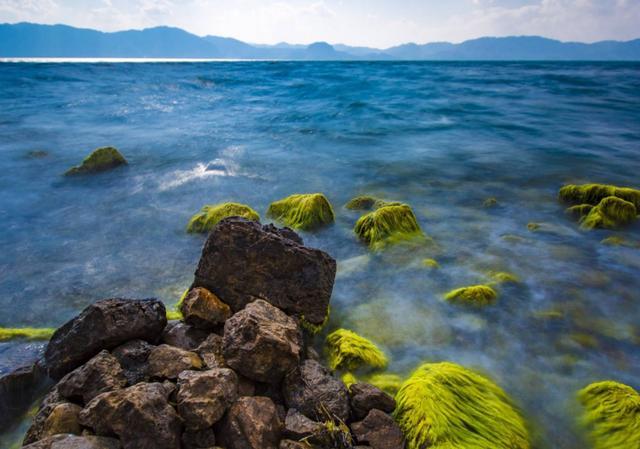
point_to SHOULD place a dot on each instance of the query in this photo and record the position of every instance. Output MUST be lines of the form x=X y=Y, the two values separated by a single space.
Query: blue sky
x=379 y=23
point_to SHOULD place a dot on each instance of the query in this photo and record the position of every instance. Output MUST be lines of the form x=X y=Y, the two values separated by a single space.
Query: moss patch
x=430 y=263
x=478 y=295
x=302 y=211
x=387 y=382
x=444 y=405
x=348 y=351
x=504 y=277
x=389 y=225
x=29 y=333
x=579 y=211
x=594 y=193
x=100 y=160
x=363 y=202
x=210 y=215
x=611 y=213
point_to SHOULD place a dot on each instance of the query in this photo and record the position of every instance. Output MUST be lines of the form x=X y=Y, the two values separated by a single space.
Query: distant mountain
x=33 y=40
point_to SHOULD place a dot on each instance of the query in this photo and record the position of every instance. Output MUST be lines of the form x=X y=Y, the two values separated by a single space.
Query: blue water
x=442 y=137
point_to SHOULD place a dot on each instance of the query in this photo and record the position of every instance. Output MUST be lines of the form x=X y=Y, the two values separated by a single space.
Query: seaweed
x=302 y=211
x=211 y=214
x=478 y=295
x=348 y=350
x=579 y=211
x=388 y=225
x=388 y=382
x=28 y=333
x=594 y=193
x=611 y=213
x=430 y=263
x=99 y=160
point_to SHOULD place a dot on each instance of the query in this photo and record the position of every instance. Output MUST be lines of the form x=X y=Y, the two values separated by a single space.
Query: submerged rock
x=99 y=160
x=203 y=309
x=250 y=423
x=211 y=214
x=610 y=213
x=477 y=295
x=243 y=261
x=69 y=441
x=302 y=211
x=594 y=193
x=348 y=350
x=103 y=325
x=390 y=224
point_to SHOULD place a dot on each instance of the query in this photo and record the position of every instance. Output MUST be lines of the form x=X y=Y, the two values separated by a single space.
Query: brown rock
x=366 y=397
x=297 y=426
x=69 y=441
x=250 y=423
x=315 y=393
x=379 y=431
x=139 y=415
x=133 y=357
x=197 y=439
x=63 y=419
x=36 y=429
x=18 y=390
x=183 y=336
x=167 y=362
x=103 y=325
x=261 y=342
x=243 y=261
x=102 y=373
x=246 y=387
x=210 y=351
x=203 y=309
x=204 y=396
x=290 y=444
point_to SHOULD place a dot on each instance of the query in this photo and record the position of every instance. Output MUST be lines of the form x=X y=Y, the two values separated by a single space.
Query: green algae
x=594 y=193
x=211 y=214
x=389 y=225
x=363 y=202
x=579 y=211
x=478 y=295
x=28 y=333
x=430 y=263
x=444 y=405
x=611 y=414
x=388 y=382
x=173 y=313
x=617 y=240
x=99 y=160
x=348 y=351
x=490 y=202
x=314 y=329
x=348 y=379
x=302 y=211
x=611 y=213
x=504 y=277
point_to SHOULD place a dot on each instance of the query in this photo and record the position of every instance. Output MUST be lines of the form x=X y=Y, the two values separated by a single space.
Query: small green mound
x=211 y=214
x=533 y=227
x=490 y=202
x=594 y=193
x=617 y=240
x=363 y=202
x=387 y=225
x=444 y=405
x=612 y=415
x=100 y=160
x=29 y=333
x=504 y=277
x=611 y=213
x=387 y=382
x=348 y=350
x=430 y=263
x=579 y=211
x=302 y=211
x=478 y=295
x=348 y=379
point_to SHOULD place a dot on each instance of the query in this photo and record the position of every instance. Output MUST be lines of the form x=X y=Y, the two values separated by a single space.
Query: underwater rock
x=211 y=214
x=306 y=212
x=617 y=240
x=387 y=225
x=430 y=263
x=579 y=211
x=99 y=160
x=478 y=295
x=451 y=406
x=243 y=261
x=103 y=325
x=36 y=154
x=366 y=202
x=70 y=441
x=610 y=213
x=140 y=416
x=365 y=397
x=167 y=362
x=182 y=335
x=203 y=309
x=594 y=193
x=379 y=431
x=490 y=202
x=348 y=350
x=612 y=415
x=503 y=277
x=250 y=423
x=133 y=356
x=261 y=342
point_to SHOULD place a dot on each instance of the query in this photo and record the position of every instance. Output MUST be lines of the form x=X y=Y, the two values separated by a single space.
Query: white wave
x=214 y=168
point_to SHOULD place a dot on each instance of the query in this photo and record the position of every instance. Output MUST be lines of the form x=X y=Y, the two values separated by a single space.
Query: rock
x=99 y=160
x=250 y=423
x=183 y=336
x=210 y=351
x=297 y=426
x=243 y=261
x=379 y=431
x=261 y=342
x=69 y=441
x=167 y=362
x=197 y=439
x=204 y=396
x=18 y=389
x=290 y=444
x=132 y=357
x=366 y=397
x=62 y=419
x=315 y=393
x=246 y=387
x=204 y=310
x=103 y=325
x=139 y=415
x=36 y=430
x=102 y=373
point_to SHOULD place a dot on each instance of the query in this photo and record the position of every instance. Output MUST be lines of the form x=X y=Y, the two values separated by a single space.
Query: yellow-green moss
x=503 y=277
x=617 y=240
x=387 y=225
x=100 y=160
x=611 y=414
x=594 y=193
x=302 y=211
x=348 y=379
x=490 y=202
x=29 y=333
x=447 y=406
x=211 y=214
x=387 y=382
x=430 y=263
x=174 y=313
x=579 y=211
x=362 y=202
x=314 y=329
x=348 y=350
x=479 y=295
x=611 y=213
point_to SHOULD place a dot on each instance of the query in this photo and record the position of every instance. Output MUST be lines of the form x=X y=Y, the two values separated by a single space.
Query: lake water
x=442 y=137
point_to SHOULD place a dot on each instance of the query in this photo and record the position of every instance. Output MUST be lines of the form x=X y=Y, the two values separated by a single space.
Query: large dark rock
x=366 y=397
x=204 y=396
x=203 y=309
x=315 y=393
x=103 y=325
x=140 y=416
x=299 y=427
x=69 y=441
x=250 y=423
x=291 y=444
x=132 y=357
x=18 y=389
x=199 y=439
x=379 y=431
x=243 y=261
x=261 y=342
x=102 y=373
x=167 y=362
x=183 y=336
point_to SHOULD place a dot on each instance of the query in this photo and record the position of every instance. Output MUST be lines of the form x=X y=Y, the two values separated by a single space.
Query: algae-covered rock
x=579 y=211
x=444 y=405
x=479 y=295
x=211 y=214
x=100 y=160
x=302 y=211
x=611 y=213
x=348 y=350
x=617 y=240
x=612 y=415
x=362 y=202
x=504 y=277
x=594 y=193
x=430 y=263
x=388 y=225
x=490 y=202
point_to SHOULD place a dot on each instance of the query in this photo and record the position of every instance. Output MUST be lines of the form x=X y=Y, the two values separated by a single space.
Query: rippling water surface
x=442 y=137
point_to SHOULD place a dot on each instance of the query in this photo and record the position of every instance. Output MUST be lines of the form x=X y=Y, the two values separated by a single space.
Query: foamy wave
x=214 y=168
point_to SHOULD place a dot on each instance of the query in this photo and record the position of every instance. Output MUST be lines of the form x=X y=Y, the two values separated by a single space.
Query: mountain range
x=35 y=40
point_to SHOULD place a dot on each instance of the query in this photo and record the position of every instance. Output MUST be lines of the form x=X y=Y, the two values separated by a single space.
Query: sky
x=376 y=23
